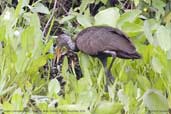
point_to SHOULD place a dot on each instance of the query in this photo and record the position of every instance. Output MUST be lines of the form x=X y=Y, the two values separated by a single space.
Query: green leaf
x=111 y=91
x=108 y=17
x=132 y=28
x=164 y=37
x=4 y=90
x=8 y=21
x=136 y=2
x=7 y=106
x=10 y=53
x=106 y=107
x=130 y=89
x=53 y=87
x=167 y=18
x=17 y=100
x=149 y=27
x=2 y=32
x=3 y=82
x=158 y=4
x=156 y=65
x=43 y=105
x=40 y=8
x=65 y=67
x=155 y=101
x=104 y=1
x=87 y=96
x=19 y=10
x=47 y=46
x=143 y=82
x=27 y=39
x=129 y=16
x=22 y=61
x=66 y=18
x=84 y=20
x=84 y=63
x=37 y=63
x=169 y=54
x=124 y=99
x=35 y=22
x=83 y=84
x=168 y=26
x=101 y=76
x=84 y=4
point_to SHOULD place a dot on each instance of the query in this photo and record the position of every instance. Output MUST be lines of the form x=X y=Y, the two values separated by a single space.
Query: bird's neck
x=71 y=44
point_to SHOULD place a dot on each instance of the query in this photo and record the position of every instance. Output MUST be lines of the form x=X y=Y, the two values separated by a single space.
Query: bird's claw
x=109 y=80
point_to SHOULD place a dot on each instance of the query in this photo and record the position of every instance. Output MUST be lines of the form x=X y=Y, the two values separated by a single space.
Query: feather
x=95 y=40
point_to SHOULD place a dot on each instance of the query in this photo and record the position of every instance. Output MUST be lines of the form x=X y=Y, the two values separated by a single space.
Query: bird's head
x=63 y=40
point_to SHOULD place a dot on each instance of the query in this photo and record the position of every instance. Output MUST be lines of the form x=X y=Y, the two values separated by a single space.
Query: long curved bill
x=58 y=53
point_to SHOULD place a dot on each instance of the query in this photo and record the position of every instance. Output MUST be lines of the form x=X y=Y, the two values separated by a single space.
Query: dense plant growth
x=27 y=31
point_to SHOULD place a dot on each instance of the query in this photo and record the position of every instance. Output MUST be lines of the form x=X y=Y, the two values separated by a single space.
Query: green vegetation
x=141 y=86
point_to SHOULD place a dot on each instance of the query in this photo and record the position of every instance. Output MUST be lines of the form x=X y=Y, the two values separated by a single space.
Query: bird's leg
x=109 y=77
x=104 y=62
x=110 y=66
x=109 y=74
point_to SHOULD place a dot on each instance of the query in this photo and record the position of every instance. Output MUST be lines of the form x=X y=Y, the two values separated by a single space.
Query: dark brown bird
x=101 y=42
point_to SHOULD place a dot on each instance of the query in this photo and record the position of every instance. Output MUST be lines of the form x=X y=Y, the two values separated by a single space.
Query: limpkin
x=101 y=42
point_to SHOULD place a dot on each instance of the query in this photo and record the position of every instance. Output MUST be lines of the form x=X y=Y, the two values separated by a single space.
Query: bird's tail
x=124 y=55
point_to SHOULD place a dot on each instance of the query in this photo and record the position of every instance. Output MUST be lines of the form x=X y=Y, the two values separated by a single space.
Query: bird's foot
x=109 y=80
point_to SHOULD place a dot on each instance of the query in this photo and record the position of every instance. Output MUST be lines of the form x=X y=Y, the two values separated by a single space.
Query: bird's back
x=97 y=39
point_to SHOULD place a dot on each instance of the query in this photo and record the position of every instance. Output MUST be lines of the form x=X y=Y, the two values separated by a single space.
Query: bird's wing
x=87 y=41
x=98 y=39
x=121 y=42
x=110 y=39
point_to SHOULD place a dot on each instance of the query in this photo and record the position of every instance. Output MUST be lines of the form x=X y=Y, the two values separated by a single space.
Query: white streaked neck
x=71 y=44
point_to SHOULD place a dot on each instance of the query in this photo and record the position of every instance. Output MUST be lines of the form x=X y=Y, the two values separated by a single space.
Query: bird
x=101 y=42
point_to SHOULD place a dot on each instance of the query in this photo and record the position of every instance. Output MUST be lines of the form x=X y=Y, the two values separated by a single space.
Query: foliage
x=140 y=87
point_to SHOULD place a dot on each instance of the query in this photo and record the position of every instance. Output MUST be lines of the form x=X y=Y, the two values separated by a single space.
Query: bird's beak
x=58 y=50
x=58 y=53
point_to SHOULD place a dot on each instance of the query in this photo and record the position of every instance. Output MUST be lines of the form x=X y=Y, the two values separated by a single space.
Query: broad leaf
x=104 y=1
x=142 y=80
x=106 y=107
x=66 y=18
x=17 y=100
x=156 y=65
x=124 y=99
x=40 y=8
x=19 y=10
x=84 y=4
x=164 y=38
x=149 y=27
x=108 y=17
x=128 y=16
x=155 y=101
x=27 y=39
x=84 y=20
x=132 y=28
x=53 y=87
